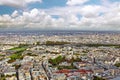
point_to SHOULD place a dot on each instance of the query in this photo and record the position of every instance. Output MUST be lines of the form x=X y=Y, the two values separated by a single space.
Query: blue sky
x=60 y=14
x=44 y=5
x=49 y=4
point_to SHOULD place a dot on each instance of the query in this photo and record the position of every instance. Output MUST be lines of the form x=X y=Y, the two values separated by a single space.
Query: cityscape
x=60 y=56
x=59 y=39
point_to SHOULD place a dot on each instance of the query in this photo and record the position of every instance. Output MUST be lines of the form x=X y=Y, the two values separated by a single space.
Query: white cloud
x=108 y=21
x=16 y=3
x=29 y=1
x=91 y=17
x=91 y=10
x=32 y=19
x=85 y=10
x=76 y=2
x=15 y=14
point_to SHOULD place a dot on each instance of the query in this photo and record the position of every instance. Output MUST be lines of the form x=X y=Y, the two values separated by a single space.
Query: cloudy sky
x=60 y=14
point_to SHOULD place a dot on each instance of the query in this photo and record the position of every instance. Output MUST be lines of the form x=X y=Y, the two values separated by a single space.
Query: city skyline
x=60 y=15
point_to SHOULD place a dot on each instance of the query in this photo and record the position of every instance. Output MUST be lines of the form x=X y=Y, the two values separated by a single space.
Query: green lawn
x=56 y=60
x=2 y=55
x=21 y=47
x=18 y=49
x=18 y=53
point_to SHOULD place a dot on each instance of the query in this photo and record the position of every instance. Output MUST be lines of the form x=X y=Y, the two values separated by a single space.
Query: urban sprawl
x=60 y=57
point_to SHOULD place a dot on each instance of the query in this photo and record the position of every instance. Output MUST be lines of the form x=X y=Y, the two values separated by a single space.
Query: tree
x=117 y=64
x=98 y=78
